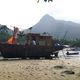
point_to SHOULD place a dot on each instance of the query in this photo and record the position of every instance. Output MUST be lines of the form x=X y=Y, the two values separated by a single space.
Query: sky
x=26 y=13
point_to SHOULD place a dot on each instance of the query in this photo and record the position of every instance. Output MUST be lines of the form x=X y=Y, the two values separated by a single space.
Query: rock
x=59 y=67
x=68 y=72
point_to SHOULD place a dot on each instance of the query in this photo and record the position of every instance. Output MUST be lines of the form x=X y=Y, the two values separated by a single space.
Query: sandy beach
x=56 y=69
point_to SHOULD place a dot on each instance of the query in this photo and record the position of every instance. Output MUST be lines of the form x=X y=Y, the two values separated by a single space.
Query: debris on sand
x=68 y=72
x=59 y=67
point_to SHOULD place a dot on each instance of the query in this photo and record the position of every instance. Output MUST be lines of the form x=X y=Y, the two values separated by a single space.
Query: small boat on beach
x=72 y=52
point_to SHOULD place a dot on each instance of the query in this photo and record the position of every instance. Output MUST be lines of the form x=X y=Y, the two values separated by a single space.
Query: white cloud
x=26 y=13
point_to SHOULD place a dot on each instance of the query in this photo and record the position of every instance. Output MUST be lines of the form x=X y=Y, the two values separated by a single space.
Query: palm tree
x=21 y=37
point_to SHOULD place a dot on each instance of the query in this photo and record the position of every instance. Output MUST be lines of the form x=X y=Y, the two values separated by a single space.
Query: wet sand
x=56 y=69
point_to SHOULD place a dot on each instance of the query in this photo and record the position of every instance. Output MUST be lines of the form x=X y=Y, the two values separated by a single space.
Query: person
x=67 y=53
x=34 y=42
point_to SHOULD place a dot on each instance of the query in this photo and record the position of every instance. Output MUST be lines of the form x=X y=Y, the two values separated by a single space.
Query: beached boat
x=24 y=51
x=36 y=46
x=72 y=53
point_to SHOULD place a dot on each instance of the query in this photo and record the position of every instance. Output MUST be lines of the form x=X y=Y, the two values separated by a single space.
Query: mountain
x=57 y=28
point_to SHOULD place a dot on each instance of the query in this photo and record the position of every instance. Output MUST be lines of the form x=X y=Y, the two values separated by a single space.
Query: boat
x=72 y=53
x=36 y=46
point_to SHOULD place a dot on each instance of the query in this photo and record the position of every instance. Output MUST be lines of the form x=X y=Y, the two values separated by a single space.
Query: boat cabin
x=38 y=39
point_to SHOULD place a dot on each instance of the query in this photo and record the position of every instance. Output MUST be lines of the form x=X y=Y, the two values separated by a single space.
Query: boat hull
x=24 y=51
